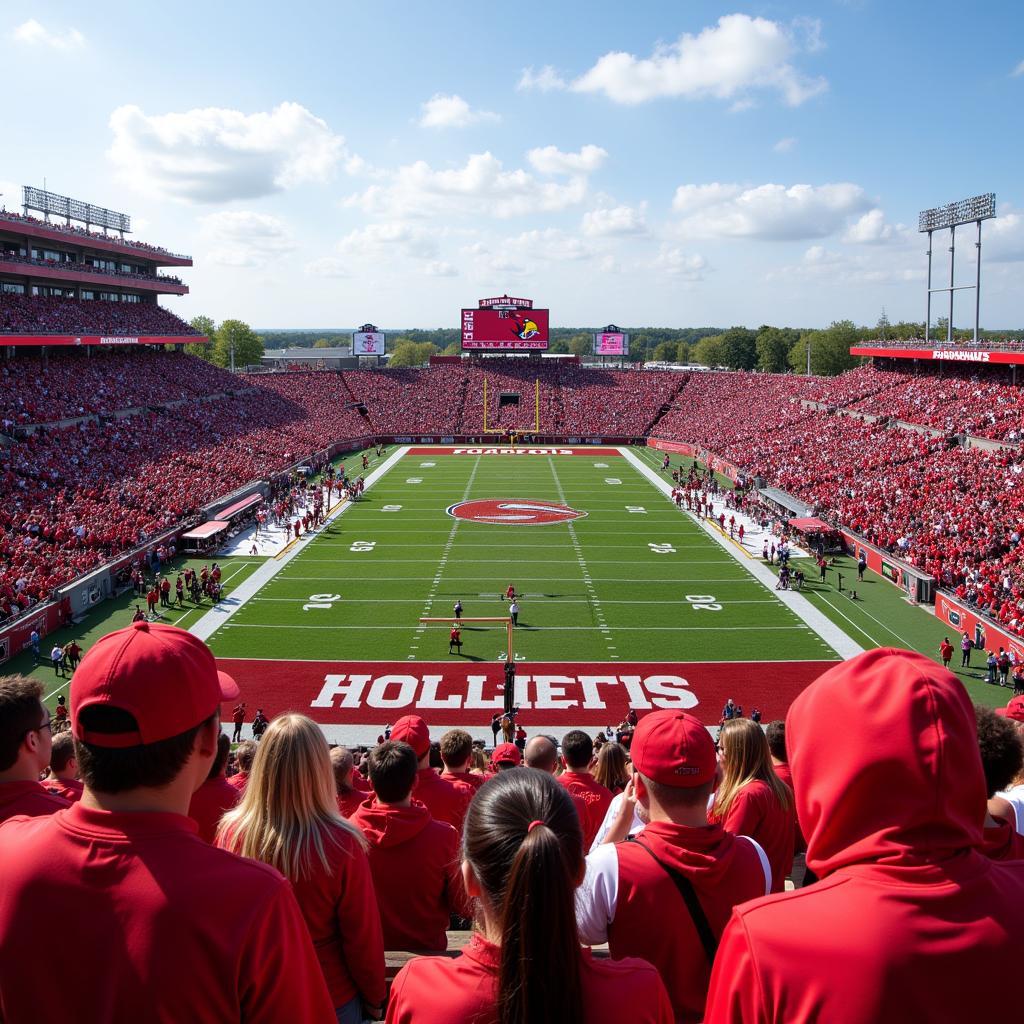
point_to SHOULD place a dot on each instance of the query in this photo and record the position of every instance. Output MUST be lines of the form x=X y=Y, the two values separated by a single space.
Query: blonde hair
x=289 y=810
x=745 y=759
x=611 y=770
x=478 y=761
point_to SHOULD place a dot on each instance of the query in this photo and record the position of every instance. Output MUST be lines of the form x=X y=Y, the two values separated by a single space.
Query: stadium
x=527 y=667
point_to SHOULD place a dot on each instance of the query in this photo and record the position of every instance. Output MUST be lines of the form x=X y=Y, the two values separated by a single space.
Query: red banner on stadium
x=507 y=450
x=987 y=636
x=952 y=355
x=444 y=693
x=504 y=329
x=96 y=339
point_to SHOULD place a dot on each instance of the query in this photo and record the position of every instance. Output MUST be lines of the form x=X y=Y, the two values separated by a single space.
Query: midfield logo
x=514 y=512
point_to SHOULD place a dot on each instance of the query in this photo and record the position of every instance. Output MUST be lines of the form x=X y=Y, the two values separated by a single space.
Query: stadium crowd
x=82 y=235
x=38 y=314
x=293 y=888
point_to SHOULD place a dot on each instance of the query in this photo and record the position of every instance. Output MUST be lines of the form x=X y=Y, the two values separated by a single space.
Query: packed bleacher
x=36 y=314
x=81 y=267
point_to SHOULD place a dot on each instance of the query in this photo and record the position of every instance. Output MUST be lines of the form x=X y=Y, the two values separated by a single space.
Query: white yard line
x=248 y=588
x=844 y=645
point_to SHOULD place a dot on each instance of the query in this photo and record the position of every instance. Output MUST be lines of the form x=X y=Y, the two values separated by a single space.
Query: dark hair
x=221 y=760
x=679 y=796
x=119 y=769
x=393 y=768
x=435 y=760
x=529 y=878
x=456 y=747
x=1002 y=755
x=62 y=751
x=611 y=770
x=245 y=753
x=775 y=734
x=577 y=749
x=20 y=712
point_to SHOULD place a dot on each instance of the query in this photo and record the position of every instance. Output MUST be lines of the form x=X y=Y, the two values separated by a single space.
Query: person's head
x=506 y=756
x=220 y=762
x=541 y=753
x=145 y=710
x=25 y=729
x=63 y=763
x=456 y=749
x=478 y=763
x=577 y=750
x=289 y=811
x=245 y=753
x=745 y=758
x=413 y=730
x=342 y=764
x=775 y=735
x=1002 y=754
x=884 y=754
x=1014 y=712
x=393 y=768
x=611 y=770
x=522 y=861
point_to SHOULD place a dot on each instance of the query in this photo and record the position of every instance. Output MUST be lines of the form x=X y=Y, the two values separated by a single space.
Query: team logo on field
x=514 y=512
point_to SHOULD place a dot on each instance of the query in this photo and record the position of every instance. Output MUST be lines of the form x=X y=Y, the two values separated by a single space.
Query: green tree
x=664 y=352
x=412 y=353
x=773 y=345
x=581 y=344
x=248 y=345
x=204 y=325
x=830 y=349
x=740 y=348
x=709 y=351
x=321 y=343
x=454 y=349
x=682 y=352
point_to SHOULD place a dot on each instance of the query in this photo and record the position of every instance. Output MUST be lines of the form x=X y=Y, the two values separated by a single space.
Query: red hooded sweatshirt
x=28 y=799
x=625 y=890
x=909 y=917
x=445 y=801
x=415 y=865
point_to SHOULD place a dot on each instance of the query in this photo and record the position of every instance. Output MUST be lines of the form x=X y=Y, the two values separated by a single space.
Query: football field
x=623 y=600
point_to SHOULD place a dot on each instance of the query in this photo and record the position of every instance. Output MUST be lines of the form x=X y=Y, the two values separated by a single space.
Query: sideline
x=248 y=588
x=844 y=645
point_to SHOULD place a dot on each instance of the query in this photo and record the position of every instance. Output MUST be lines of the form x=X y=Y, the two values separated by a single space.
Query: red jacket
x=445 y=801
x=756 y=812
x=67 y=789
x=1003 y=842
x=415 y=864
x=594 y=795
x=784 y=773
x=209 y=802
x=435 y=990
x=908 y=914
x=167 y=928
x=348 y=802
x=29 y=799
x=625 y=890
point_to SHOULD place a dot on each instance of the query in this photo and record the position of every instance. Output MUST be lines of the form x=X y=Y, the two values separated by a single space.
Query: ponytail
x=523 y=840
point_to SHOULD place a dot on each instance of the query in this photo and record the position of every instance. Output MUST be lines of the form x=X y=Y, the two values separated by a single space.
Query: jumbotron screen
x=508 y=330
x=614 y=344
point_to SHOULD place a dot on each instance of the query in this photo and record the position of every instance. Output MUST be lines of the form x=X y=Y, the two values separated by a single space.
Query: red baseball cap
x=673 y=748
x=507 y=753
x=412 y=730
x=163 y=676
x=1014 y=710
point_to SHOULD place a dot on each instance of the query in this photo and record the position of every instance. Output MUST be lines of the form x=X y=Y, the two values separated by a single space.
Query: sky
x=674 y=164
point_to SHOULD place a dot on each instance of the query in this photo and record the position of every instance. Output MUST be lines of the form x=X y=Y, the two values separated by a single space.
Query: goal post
x=536 y=410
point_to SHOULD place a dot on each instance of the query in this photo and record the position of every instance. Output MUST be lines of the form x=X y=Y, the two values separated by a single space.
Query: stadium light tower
x=966 y=211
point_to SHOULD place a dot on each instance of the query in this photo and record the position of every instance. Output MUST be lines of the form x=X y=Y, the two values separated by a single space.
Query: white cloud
x=10 y=196
x=870 y=229
x=551 y=244
x=687 y=267
x=386 y=238
x=784 y=145
x=242 y=238
x=328 y=266
x=551 y=160
x=214 y=154
x=545 y=80
x=724 y=61
x=479 y=188
x=442 y=111
x=33 y=34
x=1018 y=70
x=1002 y=239
x=616 y=220
x=767 y=211
x=439 y=268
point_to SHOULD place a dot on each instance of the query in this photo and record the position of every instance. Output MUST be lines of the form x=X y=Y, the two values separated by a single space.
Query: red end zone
x=372 y=693
x=482 y=449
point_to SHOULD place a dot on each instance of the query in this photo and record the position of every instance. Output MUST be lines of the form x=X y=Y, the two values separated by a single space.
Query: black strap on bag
x=689 y=895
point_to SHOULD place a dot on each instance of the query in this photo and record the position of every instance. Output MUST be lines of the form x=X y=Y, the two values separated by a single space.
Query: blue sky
x=673 y=164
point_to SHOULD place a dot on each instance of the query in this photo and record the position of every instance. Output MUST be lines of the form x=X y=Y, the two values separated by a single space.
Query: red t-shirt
x=67 y=789
x=239 y=780
x=29 y=799
x=209 y=803
x=167 y=927
x=467 y=779
x=445 y=801
x=756 y=812
x=594 y=795
x=348 y=802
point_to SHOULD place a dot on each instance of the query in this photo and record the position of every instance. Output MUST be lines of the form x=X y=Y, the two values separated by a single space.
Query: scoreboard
x=504 y=330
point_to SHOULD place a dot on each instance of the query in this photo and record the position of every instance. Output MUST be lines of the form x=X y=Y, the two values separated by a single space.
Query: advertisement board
x=986 y=634
x=615 y=343
x=951 y=355
x=95 y=339
x=508 y=330
x=368 y=343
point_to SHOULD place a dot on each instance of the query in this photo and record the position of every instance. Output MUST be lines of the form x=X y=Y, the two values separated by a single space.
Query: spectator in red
x=238 y=720
x=523 y=858
x=457 y=755
x=63 y=780
x=908 y=914
x=215 y=797
x=25 y=749
x=245 y=752
x=503 y=757
x=414 y=859
x=946 y=652
x=680 y=872
x=578 y=757
x=1002 y=758
x=164 y=922
x=343 y=765
x=289 y=819
x=445 y=801
x=751 y=800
